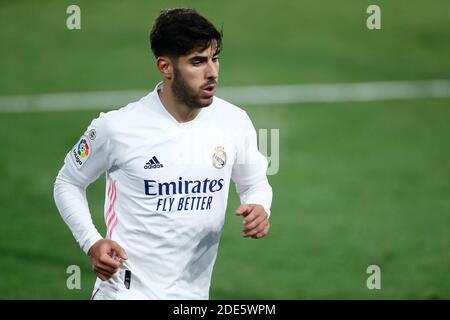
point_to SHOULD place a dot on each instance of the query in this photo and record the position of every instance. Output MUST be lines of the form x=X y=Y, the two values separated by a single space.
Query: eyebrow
x=198 y=58
x=201 y=58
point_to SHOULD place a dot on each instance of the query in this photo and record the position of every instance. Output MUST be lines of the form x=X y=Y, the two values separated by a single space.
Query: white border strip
x=278 y=94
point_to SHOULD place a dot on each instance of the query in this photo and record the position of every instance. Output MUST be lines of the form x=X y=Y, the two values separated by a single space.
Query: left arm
x=249 y=174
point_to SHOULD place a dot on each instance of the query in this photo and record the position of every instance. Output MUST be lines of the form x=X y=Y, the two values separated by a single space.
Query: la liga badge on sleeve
x=81 y=152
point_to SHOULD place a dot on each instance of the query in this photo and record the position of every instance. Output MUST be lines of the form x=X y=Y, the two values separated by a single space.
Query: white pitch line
x=277 y=94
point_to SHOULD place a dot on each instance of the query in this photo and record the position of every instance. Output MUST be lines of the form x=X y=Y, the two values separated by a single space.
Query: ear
x=165 y=67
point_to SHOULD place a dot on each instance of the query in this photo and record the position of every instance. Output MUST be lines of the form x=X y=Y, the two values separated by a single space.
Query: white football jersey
x=166 y=192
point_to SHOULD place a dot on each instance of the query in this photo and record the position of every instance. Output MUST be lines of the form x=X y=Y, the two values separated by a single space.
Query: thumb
x=244 y=209
x=119 y=250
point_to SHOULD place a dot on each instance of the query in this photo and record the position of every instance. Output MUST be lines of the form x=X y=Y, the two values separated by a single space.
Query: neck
x=178 y=109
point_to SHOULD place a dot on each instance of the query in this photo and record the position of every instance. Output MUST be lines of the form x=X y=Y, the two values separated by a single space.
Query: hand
x=256 y=220
x=106 y=256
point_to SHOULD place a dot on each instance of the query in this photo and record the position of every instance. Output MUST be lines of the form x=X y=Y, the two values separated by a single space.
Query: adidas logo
x=153 y=163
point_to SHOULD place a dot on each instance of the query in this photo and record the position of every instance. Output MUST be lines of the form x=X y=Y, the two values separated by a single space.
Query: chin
x=205 y=102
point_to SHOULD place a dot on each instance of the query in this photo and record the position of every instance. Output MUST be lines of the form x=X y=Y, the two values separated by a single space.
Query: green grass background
x=359 y=183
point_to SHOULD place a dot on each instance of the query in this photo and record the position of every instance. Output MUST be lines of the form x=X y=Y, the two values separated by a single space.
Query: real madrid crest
x=92 y=134
x=219 y=158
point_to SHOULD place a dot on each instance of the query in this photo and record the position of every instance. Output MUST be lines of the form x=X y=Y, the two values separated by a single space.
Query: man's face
x=195 y=77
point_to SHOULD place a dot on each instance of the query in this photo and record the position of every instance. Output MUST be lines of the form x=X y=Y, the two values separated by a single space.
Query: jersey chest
x=161 y=164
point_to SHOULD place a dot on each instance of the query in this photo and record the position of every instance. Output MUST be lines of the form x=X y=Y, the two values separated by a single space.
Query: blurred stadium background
x=360 y=183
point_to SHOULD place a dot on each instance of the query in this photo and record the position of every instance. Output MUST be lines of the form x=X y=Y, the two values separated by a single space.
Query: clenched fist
x=256 y=220
x=106 y=256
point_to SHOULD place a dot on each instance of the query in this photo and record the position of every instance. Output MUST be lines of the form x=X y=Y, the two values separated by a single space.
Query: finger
x=107 y=260
x=102 y=276
x=107 y=268
x=258 y=219
x=105 y=271
x=249 y=218
x=243 y=209
x=102 y=273
x=254 y=231
x=257 y=211
x=119 y=250
x=257 y=229
x=262 y=233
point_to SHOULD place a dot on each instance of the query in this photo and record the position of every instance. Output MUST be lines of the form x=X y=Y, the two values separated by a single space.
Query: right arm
x=84 y=163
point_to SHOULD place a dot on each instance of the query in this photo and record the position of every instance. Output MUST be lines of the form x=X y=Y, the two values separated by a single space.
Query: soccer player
x=168 y=160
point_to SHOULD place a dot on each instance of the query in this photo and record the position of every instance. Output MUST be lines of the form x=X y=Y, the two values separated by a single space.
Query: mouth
x=209 y=91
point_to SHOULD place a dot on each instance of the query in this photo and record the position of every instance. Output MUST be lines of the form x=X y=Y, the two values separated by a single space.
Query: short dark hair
x=179 y=31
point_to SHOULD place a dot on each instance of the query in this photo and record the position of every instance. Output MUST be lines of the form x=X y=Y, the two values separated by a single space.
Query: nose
x=212 y=70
